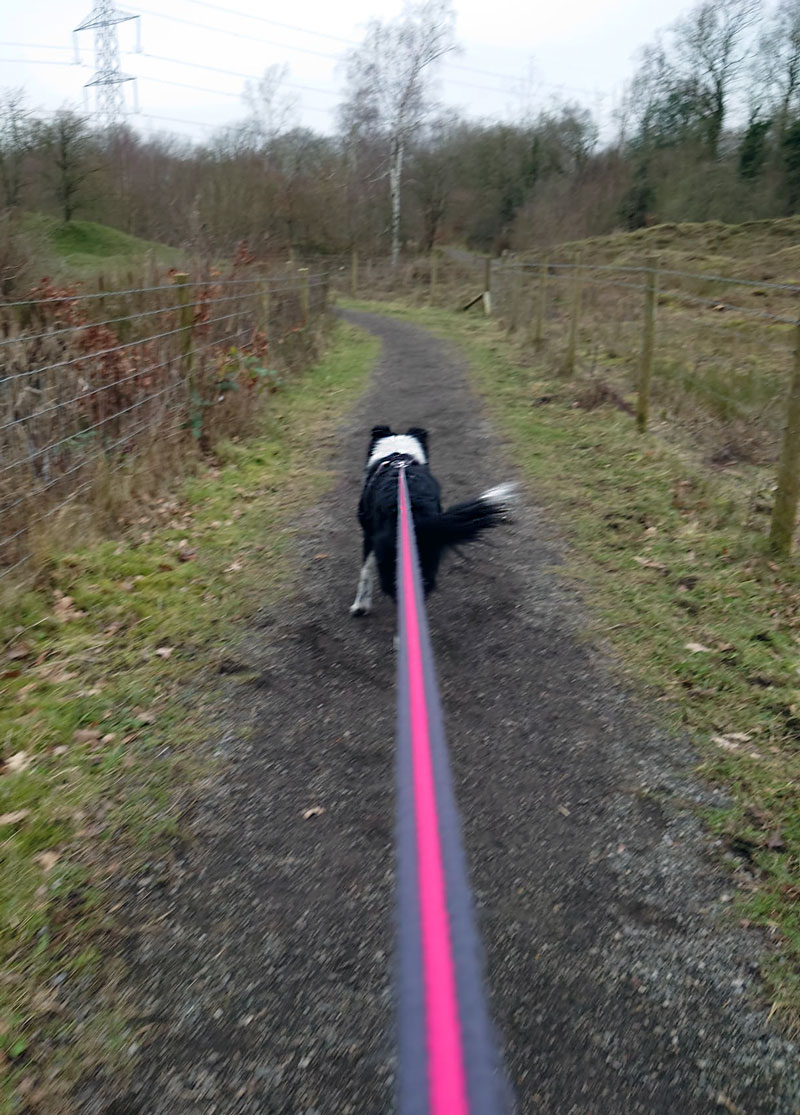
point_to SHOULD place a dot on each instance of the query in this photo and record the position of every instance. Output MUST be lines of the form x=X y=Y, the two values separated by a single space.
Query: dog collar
x=399 y=463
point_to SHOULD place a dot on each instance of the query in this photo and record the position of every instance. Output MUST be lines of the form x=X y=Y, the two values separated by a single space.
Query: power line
x=355 y=42
x=327 y=54
x=237 y=73
x=303 y=50
x=38 y=46
x=234 y=34
x=288 y=84
x=40 y=62
x=275 y=22
x=179 y=120
x=218 y=92
x=514 y=81
x=233 y=73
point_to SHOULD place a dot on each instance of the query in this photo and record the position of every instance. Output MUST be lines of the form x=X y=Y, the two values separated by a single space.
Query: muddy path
x=260 y=964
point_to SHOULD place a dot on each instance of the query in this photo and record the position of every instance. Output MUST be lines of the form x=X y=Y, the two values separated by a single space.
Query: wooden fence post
x=354 y=274
x=572 y=346
x=305 y=300
x=326 y=291
x=487 y=286
x=787 y=497
x=265 y=309
x=434 y=273
x=648 y=345
x=186 y=321
x=516 y=301
x=541 y=303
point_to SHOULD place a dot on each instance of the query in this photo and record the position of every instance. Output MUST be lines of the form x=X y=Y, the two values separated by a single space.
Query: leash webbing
x=448 y=1063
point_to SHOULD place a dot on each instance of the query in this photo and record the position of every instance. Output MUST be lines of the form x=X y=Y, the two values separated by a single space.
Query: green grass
x=108 y=675
x=80 y=247
x=671 y=561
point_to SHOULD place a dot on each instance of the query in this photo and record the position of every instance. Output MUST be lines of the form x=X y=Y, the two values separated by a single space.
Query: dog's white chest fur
x=397 y=443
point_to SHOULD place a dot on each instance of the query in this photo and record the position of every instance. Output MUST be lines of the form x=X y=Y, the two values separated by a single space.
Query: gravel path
x=260 y=968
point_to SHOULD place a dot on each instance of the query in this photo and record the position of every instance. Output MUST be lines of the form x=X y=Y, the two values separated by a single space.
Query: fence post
x=784 y=512
x=304 y=294
x=516 y=300
x=572 y=347
x=354 y=274
x=265 y=309
x=186 y=320
x=541 y=304
x=434 y=272
x=326 y=291
x=487 y=286
x=648 y=344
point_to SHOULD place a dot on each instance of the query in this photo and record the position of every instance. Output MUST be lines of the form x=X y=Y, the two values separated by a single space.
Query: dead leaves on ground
x=64 y=608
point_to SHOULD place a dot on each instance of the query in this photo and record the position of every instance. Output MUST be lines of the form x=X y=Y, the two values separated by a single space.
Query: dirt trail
x=261 y=966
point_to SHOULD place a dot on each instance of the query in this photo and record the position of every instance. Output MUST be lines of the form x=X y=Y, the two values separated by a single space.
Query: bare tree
x=15 y=143
x=776 y=77
x=272 y=110
x=433 y=174
x=66 y=141
x=710 y=54
x=389 y=79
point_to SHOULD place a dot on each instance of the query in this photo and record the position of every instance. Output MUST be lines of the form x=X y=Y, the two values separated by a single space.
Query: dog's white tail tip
x=504 y=496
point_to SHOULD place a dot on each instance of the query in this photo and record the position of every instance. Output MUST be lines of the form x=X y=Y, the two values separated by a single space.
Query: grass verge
x=671 y=560
x=107 y=672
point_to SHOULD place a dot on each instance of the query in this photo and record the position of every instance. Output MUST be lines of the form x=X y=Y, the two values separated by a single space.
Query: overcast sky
x=529 y=52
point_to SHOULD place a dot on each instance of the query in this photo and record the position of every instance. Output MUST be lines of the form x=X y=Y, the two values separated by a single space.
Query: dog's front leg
x=362 y=605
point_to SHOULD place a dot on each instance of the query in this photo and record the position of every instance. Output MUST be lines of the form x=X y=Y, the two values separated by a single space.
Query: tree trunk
x=717 y=120
x=395 y=175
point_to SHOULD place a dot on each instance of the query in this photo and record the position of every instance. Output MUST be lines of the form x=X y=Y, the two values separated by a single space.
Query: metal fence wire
x=92 y=381
x=688 y=354
x=719 y=367
x=707 y=360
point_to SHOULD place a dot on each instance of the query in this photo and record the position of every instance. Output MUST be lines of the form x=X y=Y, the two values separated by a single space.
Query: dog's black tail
x=465 y=521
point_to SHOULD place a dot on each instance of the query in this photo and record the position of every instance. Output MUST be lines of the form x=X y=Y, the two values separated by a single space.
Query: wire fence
x=706 y=359
x=94 y=382
x=686 y=353
x=720 y=367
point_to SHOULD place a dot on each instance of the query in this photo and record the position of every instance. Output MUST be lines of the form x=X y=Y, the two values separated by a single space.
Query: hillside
x=766 y=250
x=86 y=246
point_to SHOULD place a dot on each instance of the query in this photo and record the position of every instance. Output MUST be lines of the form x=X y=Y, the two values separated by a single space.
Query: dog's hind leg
x=362 y=605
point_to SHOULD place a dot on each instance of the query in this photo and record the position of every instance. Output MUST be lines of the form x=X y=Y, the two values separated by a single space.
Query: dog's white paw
x=358 y=609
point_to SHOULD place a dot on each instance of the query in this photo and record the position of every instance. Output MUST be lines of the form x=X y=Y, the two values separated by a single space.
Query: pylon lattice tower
x=108 y=77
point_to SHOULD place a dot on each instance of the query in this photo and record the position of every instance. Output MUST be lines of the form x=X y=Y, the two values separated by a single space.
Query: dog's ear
x=376 y=433
x=421 y=436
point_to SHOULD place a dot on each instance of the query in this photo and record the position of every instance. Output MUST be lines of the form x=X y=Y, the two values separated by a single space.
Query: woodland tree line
x=709 y=128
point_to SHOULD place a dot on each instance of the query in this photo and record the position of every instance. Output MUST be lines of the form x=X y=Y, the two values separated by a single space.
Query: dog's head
x=420 y=435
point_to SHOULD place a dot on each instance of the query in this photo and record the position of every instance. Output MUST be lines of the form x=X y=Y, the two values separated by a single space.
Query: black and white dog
x=436 y=530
